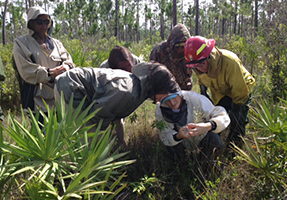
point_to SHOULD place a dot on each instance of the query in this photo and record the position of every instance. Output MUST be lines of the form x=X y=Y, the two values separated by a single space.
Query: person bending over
x=120 y=58
x=115 y=92
x=230 y=84
x=192 y=123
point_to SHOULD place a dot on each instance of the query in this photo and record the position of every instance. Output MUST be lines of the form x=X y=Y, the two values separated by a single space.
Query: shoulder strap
x=27 y=90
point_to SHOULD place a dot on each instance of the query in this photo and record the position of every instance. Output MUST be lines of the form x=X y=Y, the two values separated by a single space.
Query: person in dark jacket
x=171 y=54
x=117 y=93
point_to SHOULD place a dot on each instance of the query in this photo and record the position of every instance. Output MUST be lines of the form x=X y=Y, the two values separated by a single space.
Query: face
x=178 y=50
x=172 y=103
x=41 y=24
x=125 y=65
x=202 y=67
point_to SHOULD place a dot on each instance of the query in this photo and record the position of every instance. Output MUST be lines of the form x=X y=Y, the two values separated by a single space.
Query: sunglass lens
x=41 y=22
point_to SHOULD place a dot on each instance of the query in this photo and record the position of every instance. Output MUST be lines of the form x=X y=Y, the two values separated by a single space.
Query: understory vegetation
x=57 y=162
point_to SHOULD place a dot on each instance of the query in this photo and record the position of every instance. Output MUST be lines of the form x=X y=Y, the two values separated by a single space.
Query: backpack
x=27 y=90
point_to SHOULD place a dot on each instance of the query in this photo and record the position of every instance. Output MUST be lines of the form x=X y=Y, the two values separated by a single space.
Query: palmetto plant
x=57 y=162
x=270 y=147
x=272 y=119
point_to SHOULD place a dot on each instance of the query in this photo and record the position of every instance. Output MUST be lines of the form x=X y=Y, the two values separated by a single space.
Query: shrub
x=57 y=161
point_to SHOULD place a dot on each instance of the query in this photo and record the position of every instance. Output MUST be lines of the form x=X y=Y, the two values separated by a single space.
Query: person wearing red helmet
x=230 y=84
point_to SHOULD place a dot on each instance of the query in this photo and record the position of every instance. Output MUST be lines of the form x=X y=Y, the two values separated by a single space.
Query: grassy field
x=156 y=175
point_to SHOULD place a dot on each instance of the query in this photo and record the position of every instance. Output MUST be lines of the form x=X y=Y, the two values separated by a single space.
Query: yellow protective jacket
x=227 y=76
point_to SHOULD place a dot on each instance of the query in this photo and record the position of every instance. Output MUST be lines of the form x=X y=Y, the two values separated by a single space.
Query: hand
x=193 y=130
x=189 y=83
x=67 y=67
x=54 y=72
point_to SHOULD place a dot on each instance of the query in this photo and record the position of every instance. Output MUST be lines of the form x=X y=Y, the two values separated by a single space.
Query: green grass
x=156 y=175
x=258 y=171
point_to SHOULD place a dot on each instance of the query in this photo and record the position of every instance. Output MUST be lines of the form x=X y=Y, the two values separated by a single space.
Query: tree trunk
x=4 y=24
x=162 y=27
x=45 y=5
x=150 y=28
x=174 y=13
x=235 y=19
x=241 y=26
x=116 y=20
x=145 y=20
x=138 y=22
x=256 y=17
x=223 y=25
x=162 y=12
x=197 y=17
x=31 y=3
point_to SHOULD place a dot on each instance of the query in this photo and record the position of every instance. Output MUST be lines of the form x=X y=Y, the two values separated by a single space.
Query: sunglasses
x=195 y=65
x=41 y=22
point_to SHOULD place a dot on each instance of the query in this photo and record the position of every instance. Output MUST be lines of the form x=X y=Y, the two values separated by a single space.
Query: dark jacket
x=116 y=92
x=163 y=53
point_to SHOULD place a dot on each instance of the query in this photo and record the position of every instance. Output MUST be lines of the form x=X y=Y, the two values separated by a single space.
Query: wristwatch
x=174 y=137
x=214 y=125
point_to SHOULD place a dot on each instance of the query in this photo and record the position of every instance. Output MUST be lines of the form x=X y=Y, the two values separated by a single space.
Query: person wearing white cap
x=38 y=59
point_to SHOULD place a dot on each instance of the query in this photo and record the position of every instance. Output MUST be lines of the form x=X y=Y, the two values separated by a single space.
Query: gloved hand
x=203 y=91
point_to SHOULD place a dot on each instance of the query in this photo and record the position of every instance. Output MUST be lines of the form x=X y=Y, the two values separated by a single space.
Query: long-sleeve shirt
x=199 y=109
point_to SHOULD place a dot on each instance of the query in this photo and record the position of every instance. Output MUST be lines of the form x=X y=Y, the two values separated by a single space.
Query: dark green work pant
x=239 y=118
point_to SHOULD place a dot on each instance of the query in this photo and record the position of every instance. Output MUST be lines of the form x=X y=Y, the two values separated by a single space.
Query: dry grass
x=234 y=179
x=174 y=179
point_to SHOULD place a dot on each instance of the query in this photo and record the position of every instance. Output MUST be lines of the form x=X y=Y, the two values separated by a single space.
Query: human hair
x=118 y=54
x=163 y=81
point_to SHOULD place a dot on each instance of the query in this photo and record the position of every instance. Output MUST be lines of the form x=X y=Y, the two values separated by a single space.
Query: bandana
x=178 y=117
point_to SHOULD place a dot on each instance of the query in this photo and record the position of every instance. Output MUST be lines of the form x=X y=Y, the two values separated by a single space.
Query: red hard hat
x=197 y=49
